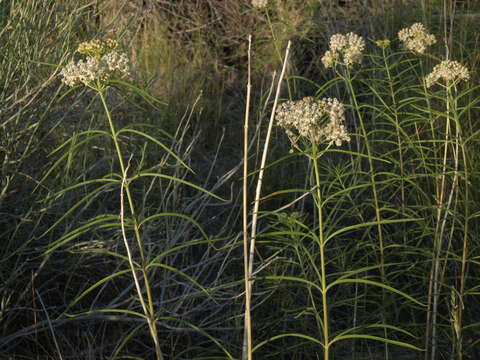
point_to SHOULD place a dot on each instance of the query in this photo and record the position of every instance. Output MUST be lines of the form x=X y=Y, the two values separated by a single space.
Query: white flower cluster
x=350 y=46
x=416 y=38
x=259 y=3
x=100 y=65
x=449 y=70
x=317 y=120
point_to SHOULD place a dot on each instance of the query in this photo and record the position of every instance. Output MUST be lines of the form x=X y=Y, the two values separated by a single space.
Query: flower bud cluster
x=101 y=63
x=97 y=48
x=448 y=70
x=416 y=38
x=346 y=49
x=383 y=44
x=316 y=120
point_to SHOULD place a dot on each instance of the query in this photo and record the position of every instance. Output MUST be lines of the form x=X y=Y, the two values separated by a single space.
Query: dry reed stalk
x=439 y=229
x=248 y=321
x=259 y=183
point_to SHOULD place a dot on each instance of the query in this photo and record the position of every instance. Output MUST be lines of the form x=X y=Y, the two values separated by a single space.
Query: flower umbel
x=344 y=48
x=317 y=120
x=448 y=70
x=102 y=63
x=416 y=38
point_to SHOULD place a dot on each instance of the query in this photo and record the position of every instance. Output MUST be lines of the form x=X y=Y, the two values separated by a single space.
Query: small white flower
x=335 y=131
x=117 y=62
x=84 y=71
x=347 y=49
x=449 y=70
x=317 y=120
x=329 y=58
x=416 y=38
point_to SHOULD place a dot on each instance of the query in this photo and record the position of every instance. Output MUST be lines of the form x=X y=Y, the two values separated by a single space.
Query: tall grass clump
x=34 y=36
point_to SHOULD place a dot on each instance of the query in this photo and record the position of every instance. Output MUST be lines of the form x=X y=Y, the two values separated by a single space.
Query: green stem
x=439 y=231
x=348 y=81
x=150 y=311
x=326 y=339
x=463 y=272
x=399 y=142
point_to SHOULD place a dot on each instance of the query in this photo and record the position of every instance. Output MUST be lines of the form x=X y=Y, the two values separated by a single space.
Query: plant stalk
x=147 y=307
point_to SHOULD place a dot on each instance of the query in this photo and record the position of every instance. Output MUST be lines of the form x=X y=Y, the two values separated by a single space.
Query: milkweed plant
x=377 y=131
x=101 y=66
x=419 y=115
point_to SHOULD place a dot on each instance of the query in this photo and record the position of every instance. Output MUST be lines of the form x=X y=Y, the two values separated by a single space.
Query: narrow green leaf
x=290 y=278
x=297 y=335
x=376 y=338
x=201 y=331
x=368 y=224
x=181 y=273
x=374 y=283
x=74 y=207
x=182 y=216
x=175 y=179
x=94 y=286
x=159 y=143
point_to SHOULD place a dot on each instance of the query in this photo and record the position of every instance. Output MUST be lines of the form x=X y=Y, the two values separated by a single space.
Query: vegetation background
x=66 y=291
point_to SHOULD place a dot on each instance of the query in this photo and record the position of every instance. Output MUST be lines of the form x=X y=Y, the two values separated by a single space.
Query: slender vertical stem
x=437 y=169
x=148 y=306
x=262 y=169
x=463 y=272
x=399 y=143
x=439 y=229
x=378 y=216
x=122 y=166
x=371 y=170
x=151 y=322
x=248 y=290
x=248 y=321
x=323 y=285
